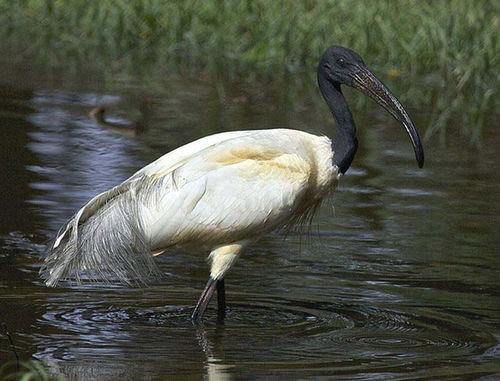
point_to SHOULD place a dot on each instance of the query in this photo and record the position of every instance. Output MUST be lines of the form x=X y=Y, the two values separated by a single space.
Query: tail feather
x=105 y=240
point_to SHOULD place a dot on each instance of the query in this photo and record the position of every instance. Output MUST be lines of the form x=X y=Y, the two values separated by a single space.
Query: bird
x=131 y=130
x=221 y=193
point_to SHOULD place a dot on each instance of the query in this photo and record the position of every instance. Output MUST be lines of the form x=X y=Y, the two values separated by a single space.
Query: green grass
x=446 y=53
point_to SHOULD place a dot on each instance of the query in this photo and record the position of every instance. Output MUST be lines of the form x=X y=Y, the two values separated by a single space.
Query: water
x=400 y=282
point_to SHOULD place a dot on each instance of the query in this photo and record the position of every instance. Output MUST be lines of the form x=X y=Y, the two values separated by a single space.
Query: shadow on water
x=400 y=282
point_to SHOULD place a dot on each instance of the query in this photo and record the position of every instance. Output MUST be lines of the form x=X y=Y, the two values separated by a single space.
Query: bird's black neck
x=344 y=143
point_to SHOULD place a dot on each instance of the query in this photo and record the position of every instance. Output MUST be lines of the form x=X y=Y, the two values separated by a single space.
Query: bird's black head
x=339 y=64
x=342 y=66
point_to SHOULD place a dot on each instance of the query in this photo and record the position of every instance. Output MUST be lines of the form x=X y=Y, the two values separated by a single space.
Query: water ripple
x=317 y=326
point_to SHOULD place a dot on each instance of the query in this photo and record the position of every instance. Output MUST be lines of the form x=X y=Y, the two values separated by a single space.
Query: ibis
x=219 y=194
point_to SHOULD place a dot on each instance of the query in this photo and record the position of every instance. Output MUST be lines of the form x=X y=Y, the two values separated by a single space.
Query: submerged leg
x=221 y=301
x=204 y=299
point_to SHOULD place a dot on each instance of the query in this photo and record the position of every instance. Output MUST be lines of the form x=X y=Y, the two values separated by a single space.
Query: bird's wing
x=239 y=188
x=163 y=165
x=243 y=181
x=220 y=191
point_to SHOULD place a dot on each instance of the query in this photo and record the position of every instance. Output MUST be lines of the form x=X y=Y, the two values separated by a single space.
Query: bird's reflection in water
x=210 y=341
x=216 y=369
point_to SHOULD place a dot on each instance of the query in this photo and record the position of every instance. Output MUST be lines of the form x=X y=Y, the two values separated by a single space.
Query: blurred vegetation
x=28 y=371
x=445 y=52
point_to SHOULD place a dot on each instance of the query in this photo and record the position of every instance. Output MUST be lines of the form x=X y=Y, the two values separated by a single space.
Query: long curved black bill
x=367 y=83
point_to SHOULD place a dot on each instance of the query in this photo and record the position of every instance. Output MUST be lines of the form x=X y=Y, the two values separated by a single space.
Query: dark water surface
x=400 y=282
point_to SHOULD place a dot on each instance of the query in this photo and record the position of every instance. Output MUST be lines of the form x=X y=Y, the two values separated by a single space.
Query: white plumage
x=231 y=188
x=220 y=193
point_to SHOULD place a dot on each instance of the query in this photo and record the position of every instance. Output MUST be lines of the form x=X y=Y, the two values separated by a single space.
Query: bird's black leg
x=204 y=299
x=221 y=301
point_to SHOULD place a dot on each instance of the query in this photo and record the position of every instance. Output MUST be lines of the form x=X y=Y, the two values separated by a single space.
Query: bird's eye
x=341 y=61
